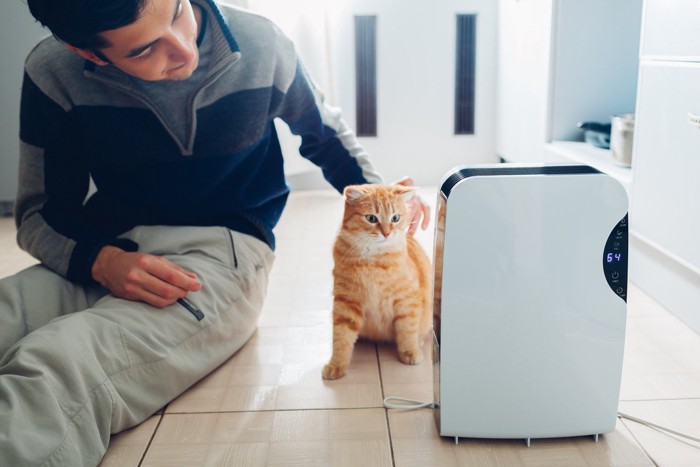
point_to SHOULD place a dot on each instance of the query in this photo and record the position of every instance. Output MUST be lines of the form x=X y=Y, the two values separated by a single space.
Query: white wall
x=18 y=35
x=415 y=82
x=524 y=38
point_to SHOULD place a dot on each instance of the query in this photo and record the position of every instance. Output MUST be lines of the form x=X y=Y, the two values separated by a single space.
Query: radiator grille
x=465 y=74
x=366 y=75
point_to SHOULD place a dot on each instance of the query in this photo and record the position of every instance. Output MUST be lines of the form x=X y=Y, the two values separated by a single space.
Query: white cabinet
x=667 y=160
x=671 y=29
x=665 y=213
x=562 y=62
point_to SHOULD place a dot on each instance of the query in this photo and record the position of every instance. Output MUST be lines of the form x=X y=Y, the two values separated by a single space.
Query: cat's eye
x=395 y=218
x=371 y=218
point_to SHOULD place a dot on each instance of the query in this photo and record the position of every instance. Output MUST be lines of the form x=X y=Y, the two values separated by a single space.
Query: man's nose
x=179 y=49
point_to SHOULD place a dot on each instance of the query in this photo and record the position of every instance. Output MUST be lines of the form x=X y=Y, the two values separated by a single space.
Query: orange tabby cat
x=382 y=277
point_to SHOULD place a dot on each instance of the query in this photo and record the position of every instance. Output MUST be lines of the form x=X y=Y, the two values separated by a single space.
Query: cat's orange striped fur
x=382 y=277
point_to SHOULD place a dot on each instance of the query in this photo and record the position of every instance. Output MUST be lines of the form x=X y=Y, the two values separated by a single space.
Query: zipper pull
x=192 y=308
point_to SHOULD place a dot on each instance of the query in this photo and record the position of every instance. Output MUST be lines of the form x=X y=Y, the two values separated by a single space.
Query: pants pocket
x=234 y=256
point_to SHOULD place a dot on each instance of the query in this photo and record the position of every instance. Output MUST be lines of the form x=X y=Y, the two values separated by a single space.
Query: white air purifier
x=530 y=301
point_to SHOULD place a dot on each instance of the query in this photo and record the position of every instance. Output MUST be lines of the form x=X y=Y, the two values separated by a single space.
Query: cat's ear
x=353 y=192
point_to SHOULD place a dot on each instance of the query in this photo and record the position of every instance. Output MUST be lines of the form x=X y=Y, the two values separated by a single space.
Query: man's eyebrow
x=139 y=50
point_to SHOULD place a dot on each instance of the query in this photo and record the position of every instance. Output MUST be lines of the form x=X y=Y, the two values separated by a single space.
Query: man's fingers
x=405 y=181
x=153 y=299
x=163 y=289
x=172 y=274
x=418 y=209
x=143 y=277
x=160 y=283
x=426 y=214
x=188 y=273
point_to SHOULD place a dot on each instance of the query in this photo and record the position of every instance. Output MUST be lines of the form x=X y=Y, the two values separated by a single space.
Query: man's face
x=160 y=45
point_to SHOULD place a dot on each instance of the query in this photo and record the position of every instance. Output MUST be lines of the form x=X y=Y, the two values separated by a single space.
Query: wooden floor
x=268 y=405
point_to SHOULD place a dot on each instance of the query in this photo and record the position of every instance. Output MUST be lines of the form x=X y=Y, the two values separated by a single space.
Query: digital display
x=613 y=257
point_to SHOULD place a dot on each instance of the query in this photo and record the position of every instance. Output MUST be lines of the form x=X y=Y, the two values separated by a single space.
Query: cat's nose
x=385 y=233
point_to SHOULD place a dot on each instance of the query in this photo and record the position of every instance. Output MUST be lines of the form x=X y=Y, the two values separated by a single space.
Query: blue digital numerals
x=615 y=259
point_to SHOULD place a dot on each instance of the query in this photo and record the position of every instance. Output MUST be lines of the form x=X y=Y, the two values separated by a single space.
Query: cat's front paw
x=332 y=371
x=411 y=357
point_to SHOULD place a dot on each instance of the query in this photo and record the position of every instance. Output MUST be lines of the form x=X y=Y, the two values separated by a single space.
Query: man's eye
x=145 y=54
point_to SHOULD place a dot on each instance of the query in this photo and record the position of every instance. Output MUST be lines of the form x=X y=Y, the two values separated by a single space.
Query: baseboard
x=674 y=286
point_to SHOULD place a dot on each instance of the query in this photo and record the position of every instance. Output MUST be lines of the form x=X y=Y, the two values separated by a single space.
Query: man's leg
x=68 y=385
x=33 y=297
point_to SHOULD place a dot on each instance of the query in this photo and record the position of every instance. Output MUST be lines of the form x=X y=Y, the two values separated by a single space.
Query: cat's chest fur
x=377 y=275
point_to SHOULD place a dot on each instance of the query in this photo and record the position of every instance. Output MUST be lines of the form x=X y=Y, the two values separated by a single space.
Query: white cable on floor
x=658 y=427
x=406 y=404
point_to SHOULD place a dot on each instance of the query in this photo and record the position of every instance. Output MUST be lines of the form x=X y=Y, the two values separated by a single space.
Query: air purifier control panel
x=615 y=259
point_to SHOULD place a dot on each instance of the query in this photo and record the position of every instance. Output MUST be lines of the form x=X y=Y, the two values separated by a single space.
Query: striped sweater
x=80 y=121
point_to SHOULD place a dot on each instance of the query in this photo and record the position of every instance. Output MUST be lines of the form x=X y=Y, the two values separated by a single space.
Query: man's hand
x=418 y=208
x=142 y=277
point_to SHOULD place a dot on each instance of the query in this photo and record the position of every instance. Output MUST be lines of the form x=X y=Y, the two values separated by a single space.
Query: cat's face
x=377 y=213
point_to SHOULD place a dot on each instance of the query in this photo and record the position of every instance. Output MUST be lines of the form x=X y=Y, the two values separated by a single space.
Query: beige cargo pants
x=78 y=364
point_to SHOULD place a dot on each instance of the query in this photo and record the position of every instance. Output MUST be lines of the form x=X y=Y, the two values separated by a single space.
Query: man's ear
x=88 y=55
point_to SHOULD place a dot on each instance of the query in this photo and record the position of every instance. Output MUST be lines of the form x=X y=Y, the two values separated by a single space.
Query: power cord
x=401 y=403
x=658 y=427
x=407 y=404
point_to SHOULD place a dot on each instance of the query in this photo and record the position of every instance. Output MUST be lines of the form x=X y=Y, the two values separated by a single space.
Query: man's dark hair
x=79 y=22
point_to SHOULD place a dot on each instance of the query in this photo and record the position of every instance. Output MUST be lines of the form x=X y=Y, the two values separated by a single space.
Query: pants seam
x=25 y=319
x=58 y=399
x=126 y=350
x=71 y=420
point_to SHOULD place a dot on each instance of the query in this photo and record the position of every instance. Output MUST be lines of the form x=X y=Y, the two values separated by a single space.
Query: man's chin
x=181 y=73
x=178 y=75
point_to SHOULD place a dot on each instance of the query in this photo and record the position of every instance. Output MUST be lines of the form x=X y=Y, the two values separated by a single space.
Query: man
x=158 y=277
